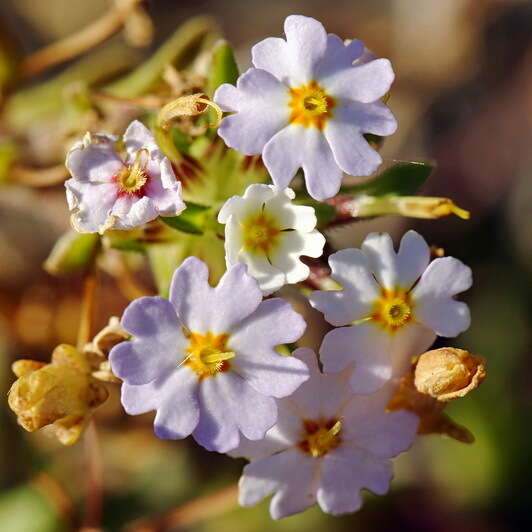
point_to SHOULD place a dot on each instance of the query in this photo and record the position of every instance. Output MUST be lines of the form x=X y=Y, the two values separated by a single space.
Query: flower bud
x=448 y=373
x=62 y=394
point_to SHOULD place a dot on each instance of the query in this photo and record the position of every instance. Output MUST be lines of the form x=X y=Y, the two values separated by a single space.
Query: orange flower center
x=311 y=106
x=261 y=233
x=207 y=354
x=393 y=309
x=320 y=438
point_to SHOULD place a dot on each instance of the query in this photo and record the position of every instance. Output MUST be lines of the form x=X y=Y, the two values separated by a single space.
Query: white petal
x=138 y=136
x=291 y=216
x=412 y=259
x=272 y=55
x=268 y=276
x=378 y=247
x=350 y=268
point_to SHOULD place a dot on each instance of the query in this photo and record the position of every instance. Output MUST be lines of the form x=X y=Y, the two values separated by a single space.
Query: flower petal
x=412 y=259
x=272 y=55
x=138 y=136
x=261 y=102
x=367 y=347
x=229 y=404
x=306 y=44
x=290 y=475
x=256 y=360
x=344 y=472
x=350 y=267
x=338 y=56
x=203 y=308
x=364 y=83
x=158 y=344
x=433 y=297
x=378 y=247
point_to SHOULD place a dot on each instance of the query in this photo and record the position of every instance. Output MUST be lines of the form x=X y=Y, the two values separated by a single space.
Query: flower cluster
x=216 y=355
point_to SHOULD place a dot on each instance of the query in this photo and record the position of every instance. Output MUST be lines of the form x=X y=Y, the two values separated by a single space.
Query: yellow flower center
x=393 y=309
x=310 y=105
x=132 y=178
x=207 y=354
x=320 y=438
x=260 y=233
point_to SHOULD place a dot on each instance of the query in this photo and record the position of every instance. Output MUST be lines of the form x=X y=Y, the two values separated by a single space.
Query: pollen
x=260 y=233
x=133 y=177
x=310 y=105
x=393 y=309
x=320 y=438
x=207 y=354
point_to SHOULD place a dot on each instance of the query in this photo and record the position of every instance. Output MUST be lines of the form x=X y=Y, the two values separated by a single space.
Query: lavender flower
x=394 y=305
x=205 y=360
x=107 y=192
x=307 y=103
x=326 y=446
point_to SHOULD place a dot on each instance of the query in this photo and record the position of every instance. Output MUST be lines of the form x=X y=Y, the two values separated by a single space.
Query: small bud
x=62 y=394
x=448 y=373
x=412 y=206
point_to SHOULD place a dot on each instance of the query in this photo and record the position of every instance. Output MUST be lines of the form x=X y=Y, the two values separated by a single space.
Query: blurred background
x=463 y=98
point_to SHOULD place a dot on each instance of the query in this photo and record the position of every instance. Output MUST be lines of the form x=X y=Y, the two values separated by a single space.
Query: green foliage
x=402 y=179
x=191 y=220
x=72 y=253
x=223 y=68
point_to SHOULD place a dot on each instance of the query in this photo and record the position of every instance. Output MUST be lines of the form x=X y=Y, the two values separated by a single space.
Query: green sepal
x=191 y=220
x=223 y=67
x=402 y=179
x=73 y=253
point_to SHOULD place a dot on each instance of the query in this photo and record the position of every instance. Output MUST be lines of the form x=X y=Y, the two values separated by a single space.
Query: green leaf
x=402 y=179
x=73 y=253
x=223 y=67
x=191 y=220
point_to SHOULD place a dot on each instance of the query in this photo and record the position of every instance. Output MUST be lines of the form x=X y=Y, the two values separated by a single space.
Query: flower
x=62 y=394
x=107 y=192
x=268 y=233
x=205 y=360
x=394 y=303
x=307 y=103
x=327 y=445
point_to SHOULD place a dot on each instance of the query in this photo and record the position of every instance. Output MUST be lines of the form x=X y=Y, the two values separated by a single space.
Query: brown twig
x=190 y=513
x=87 y=308
x=80 y=42
x=39 y=177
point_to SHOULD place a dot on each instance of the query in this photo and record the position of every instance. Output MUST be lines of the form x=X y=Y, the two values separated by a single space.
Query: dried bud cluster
x=436 y=377
x=62 y=394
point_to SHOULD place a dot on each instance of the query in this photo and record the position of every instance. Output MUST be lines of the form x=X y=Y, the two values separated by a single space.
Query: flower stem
x=94 y=495
x=190 y=513
x=87 y=307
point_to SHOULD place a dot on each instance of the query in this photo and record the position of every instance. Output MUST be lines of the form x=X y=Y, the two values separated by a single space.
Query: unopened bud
x=448 y=373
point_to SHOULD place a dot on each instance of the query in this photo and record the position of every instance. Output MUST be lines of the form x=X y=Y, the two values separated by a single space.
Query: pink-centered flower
x=327 y=445
x=111 y=191
x=307 y=103
x=205 y=359
x=393 y=306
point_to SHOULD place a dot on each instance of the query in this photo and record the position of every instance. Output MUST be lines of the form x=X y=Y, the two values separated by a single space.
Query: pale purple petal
x=272 y=55
x=306 y=44
x=91 y=204
x=433 y=296
x=158 y=341
x=94 y=159
x=257 y=361
x=167 y=199
x=366 y=425
x=350 y=267
x=229 y=405
x=365 y=346
x=141 y=211
x=138 y=136
x=203 y=308
x=291 y=475
x=338 y=56
x=261 y=102
x=365 y=83
x=351 y=151
x=344 y=472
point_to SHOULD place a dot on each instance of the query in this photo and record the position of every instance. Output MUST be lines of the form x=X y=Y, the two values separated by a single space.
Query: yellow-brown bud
x=62 y=394
x=448 y=373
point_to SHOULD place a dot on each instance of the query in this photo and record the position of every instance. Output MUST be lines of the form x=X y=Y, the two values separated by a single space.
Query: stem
x=87 y=308
x=93 y=505
x=190 y=513
x=76 y=44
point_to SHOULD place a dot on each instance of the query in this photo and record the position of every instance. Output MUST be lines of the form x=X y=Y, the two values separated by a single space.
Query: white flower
x=307 y=104
x=266 y=231
x=394 y=303
x=327 y=445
